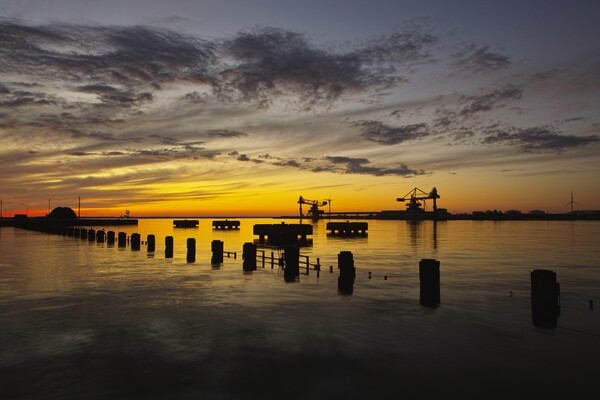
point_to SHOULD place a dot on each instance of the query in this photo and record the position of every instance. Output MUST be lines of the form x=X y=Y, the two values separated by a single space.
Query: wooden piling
x=545 y=298
x=429 y=277
x=169 y=247
x=100 y=236
x=191 y=250
x=347 y=272
x=216 y=247
x=292 y=263
x=122 y=239
x=151 y=241
x=135 y=241
x=249 y=256
x=91 y=235
x=110 y=238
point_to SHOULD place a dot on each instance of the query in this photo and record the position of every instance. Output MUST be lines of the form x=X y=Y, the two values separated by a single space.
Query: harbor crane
x=314 y=207
x=417 y=194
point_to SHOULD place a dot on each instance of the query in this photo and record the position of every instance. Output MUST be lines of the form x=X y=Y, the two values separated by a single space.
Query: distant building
x=536 y=212
x=513 y=212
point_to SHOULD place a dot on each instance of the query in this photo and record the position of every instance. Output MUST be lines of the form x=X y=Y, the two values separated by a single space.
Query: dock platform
x=226 y=224
x=283 y=234
x=347 y=228
x=185 y=223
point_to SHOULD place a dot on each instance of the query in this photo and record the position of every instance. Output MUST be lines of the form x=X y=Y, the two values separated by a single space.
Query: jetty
x=283 y=234
x=185 y=223
x=226 y=224
x=347 y=228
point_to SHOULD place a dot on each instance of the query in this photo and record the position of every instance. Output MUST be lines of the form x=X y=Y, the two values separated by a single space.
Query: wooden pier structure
x=226 y=224
x=185 y=223
x=347 y=228
x=283 y=234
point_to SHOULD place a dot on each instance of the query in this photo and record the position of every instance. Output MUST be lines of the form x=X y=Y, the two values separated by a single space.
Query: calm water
x=82 y=320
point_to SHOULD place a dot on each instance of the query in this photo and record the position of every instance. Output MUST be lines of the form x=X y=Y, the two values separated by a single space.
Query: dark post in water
x=217 y=252
x=110 y=237
x=292 y=263
x=429 y=276
x=347 y=272
x=91 y=235
x=545 y=298
x=169 y=247
x=100 y=236
x=83 y=233
x=135 y=241
x=122 y=238
x=191 y=250
x=151 y=240
x=249 y=256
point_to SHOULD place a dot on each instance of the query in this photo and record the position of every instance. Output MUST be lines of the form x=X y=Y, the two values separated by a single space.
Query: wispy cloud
x=539 y=139
x=479 y=58
x=381 y=133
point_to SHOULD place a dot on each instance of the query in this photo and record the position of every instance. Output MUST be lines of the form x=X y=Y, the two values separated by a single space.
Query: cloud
x=489 y=101
x=479 y=58
x=225 y=133
x=381 y=133
x=269 y=62
x=356 y=166
x=540 y=139
x=128 y=55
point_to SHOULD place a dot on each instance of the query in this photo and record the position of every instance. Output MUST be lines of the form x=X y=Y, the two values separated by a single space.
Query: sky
x=237 y=107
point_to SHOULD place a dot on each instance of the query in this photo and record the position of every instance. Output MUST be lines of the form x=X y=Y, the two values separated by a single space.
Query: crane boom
x=417 y=194
x=314 y=206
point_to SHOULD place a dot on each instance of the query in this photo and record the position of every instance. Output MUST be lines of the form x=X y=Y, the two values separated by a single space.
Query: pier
x=347 y=228
x=185 y=223
x=226 y=224
x=283 y=234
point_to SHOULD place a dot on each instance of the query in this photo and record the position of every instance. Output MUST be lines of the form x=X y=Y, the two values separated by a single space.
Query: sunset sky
x=238 y=107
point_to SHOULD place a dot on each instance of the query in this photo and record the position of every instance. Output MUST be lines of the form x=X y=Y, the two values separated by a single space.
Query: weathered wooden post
x=429 y=276
x=110 y=238
x=291 y=270
x=135 y=241
x=545 y=298
x=216 y=247
x=249 y=256
x=191 y=250
x=151 y=241
x=169 y=247
x=347 y=272
x=91 y=235
x=100 y=236
x=122 y=239
x=83 y=233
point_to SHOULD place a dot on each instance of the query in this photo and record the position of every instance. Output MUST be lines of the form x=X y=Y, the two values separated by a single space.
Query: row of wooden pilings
x=545 y=290
x=135 y=243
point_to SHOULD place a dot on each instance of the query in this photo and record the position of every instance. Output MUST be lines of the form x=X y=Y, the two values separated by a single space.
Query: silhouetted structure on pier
x=283 y=234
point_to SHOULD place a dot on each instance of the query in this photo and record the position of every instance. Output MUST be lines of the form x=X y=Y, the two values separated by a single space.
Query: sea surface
x=85 y=320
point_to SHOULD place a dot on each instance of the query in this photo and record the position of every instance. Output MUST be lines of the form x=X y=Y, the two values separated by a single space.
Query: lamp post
x=27 y=208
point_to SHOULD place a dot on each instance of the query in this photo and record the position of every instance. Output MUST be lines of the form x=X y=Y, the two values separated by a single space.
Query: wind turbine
x=572 y=202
